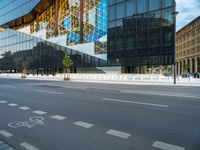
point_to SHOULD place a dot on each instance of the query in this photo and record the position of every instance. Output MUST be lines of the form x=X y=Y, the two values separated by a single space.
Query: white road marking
x=28 y=146
x=133 y=102
x=71 y=87
x=119 y=134
x=49 y=92
x=57 y=117
x=7 y=86
x=83 y=124
x=39 y=112
x=3 y=102
x=5 y=133
x=160 y=94
x=24 y=108
x=166 y=146
x=12 y=104
x=33 y=121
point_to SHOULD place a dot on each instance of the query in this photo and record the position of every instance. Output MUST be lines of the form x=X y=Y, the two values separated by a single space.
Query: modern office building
x=132 y=34
x=140 y=33
x=188 y=48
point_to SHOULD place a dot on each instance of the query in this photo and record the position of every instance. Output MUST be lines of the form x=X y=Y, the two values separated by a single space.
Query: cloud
x=188 y=10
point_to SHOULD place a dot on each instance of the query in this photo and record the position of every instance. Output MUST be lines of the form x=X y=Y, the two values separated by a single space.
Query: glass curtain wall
x=140 y=32
x=42 y=56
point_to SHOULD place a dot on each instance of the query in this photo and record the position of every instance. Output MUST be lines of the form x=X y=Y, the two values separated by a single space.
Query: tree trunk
x=67 y=70
x=64 y=73
x=23 y=73
x=68 y=74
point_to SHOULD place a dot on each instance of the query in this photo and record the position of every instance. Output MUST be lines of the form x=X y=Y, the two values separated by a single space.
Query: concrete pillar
x=191 y=65
x=179 y=66
x=195 y=64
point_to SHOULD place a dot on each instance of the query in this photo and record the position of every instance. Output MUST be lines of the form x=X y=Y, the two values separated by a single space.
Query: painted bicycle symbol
x=33 y=121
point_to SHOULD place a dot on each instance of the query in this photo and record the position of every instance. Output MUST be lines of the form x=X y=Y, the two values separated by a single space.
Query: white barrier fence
x=106 y=77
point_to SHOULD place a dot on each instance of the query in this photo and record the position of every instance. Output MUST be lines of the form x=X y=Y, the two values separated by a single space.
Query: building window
x=167 y=15
x=130 y=7
x=167 y=3
x=154 y=4
x=142 y=6
x=111 y=2
x=111 y=13
x=120 y=10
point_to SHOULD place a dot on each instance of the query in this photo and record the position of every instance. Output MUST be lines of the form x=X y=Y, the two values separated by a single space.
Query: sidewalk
x=113 y=79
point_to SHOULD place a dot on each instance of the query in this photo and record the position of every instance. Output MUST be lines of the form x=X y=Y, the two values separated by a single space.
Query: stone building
x=188 y=48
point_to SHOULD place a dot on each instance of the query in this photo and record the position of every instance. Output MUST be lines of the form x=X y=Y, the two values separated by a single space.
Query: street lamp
x=174 y=14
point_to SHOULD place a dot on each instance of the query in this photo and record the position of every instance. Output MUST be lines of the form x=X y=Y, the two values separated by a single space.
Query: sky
x=188 y=11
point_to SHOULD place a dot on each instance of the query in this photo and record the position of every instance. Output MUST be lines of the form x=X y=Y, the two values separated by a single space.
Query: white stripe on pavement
x=5 y=133
x=28 y=146
x=83 y=124
x=57 y=117
x=2 y=102
x=7 y=86
x=165 y=146
x=39 y=112
x=24 y=108
x=161 y=94
x=118 y=134
x=49 y=92
x=12 y=104
x=133 y=102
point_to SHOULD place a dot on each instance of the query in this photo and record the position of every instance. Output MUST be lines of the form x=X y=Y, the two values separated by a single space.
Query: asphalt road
x=44 y=115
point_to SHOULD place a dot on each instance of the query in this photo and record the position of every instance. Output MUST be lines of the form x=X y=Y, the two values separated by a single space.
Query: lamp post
x=174 y=14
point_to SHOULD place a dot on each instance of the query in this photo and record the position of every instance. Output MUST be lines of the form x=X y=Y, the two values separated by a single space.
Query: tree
x=67 y=62
x=24 y=65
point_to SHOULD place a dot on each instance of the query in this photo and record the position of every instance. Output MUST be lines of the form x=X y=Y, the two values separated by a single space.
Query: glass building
x=140 y=33
x=43 y=57
x=132 y=34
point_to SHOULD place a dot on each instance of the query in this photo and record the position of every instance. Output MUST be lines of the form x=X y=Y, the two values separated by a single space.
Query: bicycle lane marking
x=32 y=122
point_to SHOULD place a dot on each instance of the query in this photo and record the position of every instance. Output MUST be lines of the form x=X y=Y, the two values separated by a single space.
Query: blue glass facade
x=42 y=56
x=138 y=32
x=13 y=9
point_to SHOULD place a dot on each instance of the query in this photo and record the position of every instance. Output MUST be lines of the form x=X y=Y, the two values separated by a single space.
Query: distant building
x=188 y=48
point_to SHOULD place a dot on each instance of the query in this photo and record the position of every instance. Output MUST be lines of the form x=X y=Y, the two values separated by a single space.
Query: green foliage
x=24 y=64
x=67 y=61
x=166 y=67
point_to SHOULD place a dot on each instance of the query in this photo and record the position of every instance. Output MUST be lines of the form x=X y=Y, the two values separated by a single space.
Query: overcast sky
x=188 y=10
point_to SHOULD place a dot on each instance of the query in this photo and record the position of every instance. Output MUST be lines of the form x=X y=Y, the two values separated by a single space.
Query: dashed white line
x=166 y=146
x=3 y=102
x=57 y=117
x=39 y=112
x=119 y=134
x=28 y=146
x=133 y=102
x=12 y=104
x=83 y=124
x=7 y=86
x=24 y=108
x=5 y=133
x=49 y=92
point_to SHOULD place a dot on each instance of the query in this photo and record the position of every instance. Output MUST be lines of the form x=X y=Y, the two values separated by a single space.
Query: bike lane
x=32 y=129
